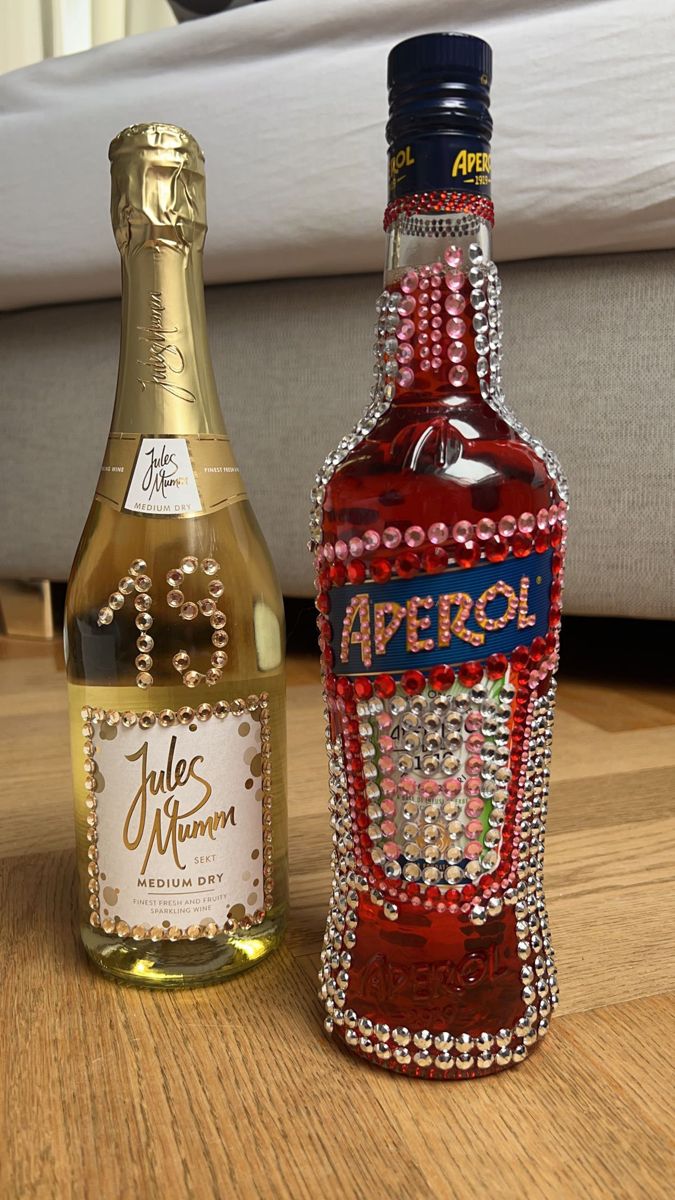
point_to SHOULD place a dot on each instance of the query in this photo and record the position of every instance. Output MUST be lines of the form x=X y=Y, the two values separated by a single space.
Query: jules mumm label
x=454 y=617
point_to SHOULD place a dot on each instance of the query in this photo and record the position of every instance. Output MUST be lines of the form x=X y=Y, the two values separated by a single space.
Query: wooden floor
x=232 y=1092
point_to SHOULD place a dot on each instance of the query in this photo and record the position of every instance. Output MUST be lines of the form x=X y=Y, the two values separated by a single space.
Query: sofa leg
x=26 y=609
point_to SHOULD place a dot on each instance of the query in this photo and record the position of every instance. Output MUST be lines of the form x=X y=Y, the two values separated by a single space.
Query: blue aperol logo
x=448 y=618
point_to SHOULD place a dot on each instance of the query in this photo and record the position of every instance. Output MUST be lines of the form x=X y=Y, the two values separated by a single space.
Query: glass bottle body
x=439 y=704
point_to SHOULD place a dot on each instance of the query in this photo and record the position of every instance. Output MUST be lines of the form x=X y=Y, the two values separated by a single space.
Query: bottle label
x=169 y=476
x=453 y=617
x=439 y=162
x=177 y=806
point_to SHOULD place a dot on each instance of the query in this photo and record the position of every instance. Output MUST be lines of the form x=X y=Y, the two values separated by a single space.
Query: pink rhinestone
x=474 y=743
x=435 y=310
x=438 y=533
x=455 y=281
x=424 y=283
x=473 y=849
x=329 y=552
x=405 y=331
x=410 y=281
x=405 y=353
x=453 y=256
x=507 y=526
x=391 y=538
x=414 y=536
x=371 y=539
x=407 y=307
x=526 y=522
x=455 y=328
x=462 y=531
x=552 y=514
x=424 y=351
x=458 y=376
x=387 y=766
x=472 y=787
x=474 y=828
x=473 y=722
x=387 y=743
x=437 y=268
x=391 y=849
x=408 y=785
x=474 y=807
x=456 y=351
x=455 y=305
x=452 y=788
x=341 y=549
x=423 y=336
x=388 y=788
x=436 y=322
x=429 y=789
x=474 y=765
x=436 y=335
x=406 y=377
x=542 y=518
x=388 y=807
x=425 y=364
x=356 y=547
x=437 y=363
x=485 y=529
x=384 y=720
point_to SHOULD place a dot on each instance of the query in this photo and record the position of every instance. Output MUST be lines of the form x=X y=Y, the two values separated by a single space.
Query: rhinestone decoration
x=92 y=718
x=139 y=582
x=439 y=780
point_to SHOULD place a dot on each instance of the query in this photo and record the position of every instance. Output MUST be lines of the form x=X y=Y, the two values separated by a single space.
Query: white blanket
x=288 y=101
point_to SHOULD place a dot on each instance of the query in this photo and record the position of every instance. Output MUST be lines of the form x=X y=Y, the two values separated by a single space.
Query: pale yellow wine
x=174 y=628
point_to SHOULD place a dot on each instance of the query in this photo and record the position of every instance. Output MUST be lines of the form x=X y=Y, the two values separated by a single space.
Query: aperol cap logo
x=449 y=618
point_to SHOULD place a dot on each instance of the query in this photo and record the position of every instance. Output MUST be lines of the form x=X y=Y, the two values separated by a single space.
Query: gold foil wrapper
x=158 y=187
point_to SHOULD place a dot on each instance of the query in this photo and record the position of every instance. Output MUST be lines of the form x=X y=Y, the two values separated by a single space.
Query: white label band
x=163 y=481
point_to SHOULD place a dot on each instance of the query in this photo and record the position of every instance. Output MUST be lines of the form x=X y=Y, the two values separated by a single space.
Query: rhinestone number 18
x=139 y=582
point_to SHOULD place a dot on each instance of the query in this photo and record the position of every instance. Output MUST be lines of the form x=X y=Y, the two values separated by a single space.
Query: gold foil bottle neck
x=158 y=192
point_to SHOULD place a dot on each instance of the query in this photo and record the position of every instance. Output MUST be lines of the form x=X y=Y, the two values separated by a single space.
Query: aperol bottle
x=438 y=531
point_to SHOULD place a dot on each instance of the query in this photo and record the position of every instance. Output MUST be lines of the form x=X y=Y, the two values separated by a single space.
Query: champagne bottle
x=174 y=627
x=438 y=529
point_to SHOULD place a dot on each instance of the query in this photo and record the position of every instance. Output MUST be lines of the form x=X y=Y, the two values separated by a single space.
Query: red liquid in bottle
x=444 y=525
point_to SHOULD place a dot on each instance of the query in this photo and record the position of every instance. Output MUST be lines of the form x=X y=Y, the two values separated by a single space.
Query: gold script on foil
x=163 y=355
x=169 y=827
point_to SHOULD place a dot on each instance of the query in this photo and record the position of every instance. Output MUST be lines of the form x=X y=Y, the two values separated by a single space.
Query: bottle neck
x=165 y=383
x=414 y=243
x=436 y=269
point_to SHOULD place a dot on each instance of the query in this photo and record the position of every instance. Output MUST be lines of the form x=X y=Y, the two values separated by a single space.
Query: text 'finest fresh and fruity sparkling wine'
x=438 y=532
x=174 y=629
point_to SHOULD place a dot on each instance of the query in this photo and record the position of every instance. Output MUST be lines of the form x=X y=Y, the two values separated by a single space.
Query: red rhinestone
x=407 y=564
x=362 y=821
x=385 y=686
x=466 y=553
x=470 y=674
x=551 y=643
x=329 y=657
x=469 y=892
x=344 y=688
x=323 y=602
x=556 y=536
x=496 y=666
x=441 y=678
x=356 y=571
x=412 y=682
x=521 y=545
x=496 y=550
x=537 y=649
x=338 y=574
x=541 y=541
x=363 y=689
x=435 y=559
x=556 y=592
x=380 y=569
x=554 y=614
x=520 y=657
x=557 y=564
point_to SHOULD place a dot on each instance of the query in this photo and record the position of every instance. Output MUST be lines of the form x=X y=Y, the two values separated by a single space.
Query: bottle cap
x=157 y=176
x=439 y=107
